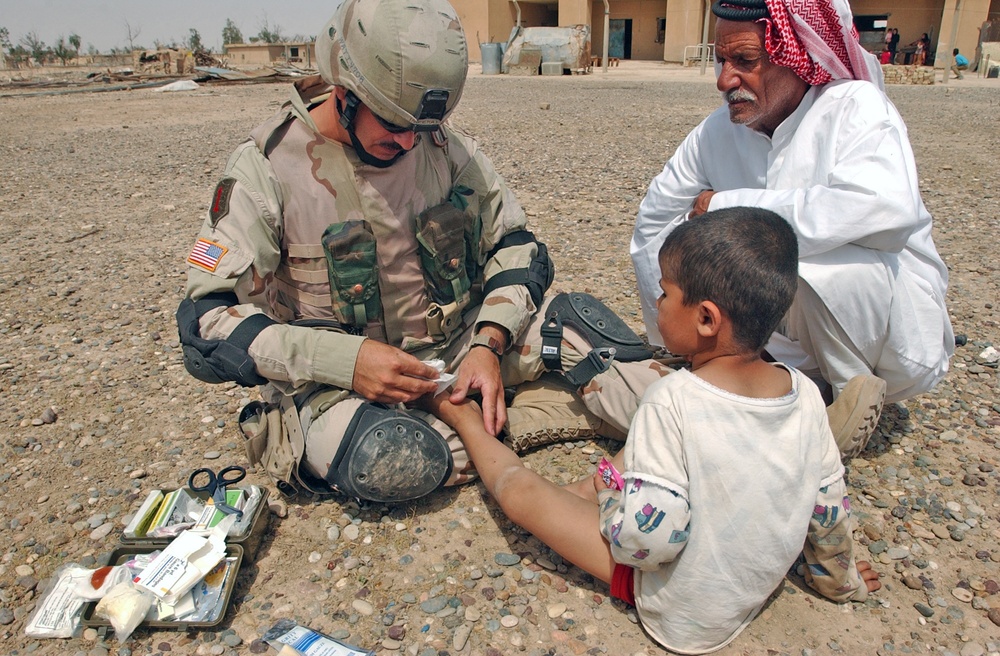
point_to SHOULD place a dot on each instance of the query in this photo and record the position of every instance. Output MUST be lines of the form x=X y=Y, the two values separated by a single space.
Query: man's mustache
x=740 y=95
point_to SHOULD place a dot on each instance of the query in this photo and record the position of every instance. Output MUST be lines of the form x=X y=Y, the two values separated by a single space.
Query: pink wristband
x=612 y=479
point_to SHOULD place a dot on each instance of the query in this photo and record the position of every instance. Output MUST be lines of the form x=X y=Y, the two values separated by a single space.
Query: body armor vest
x=390 y=255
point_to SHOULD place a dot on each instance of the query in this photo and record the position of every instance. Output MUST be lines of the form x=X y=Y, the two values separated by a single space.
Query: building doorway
x=620 y=38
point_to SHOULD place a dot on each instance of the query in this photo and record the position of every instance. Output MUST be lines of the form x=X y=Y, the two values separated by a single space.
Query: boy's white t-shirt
x=748 y=472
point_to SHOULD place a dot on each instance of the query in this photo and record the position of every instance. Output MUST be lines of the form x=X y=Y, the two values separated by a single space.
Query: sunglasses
x=391 y=128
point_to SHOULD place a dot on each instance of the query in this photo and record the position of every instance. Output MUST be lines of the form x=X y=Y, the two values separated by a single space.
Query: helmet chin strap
x=347 y=116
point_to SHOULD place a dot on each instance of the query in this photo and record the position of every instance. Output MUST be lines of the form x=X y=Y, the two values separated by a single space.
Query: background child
x=729 y=468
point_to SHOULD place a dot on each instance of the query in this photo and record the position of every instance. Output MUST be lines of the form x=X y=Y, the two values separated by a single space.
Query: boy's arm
x=829 y=548
x=646 y=523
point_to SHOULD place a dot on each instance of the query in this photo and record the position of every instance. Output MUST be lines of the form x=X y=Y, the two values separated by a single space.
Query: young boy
x=729 y=468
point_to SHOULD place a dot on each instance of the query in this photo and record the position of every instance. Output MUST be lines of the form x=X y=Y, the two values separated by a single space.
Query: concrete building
x=671 y=30
x=269 y=54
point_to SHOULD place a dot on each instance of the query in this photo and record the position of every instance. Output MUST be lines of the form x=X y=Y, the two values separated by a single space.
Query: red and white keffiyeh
x=817 y=40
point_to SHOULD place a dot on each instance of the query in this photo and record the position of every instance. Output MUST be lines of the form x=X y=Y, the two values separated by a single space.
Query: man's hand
x=701 y=203
x=480 y=370
x=386 y=374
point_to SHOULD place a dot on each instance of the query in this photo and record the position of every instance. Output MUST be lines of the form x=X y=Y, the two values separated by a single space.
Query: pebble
x=461 y=637
x=912 y=582
x=277 y=507
x=962 y=594
x=363 y=607
x=434 y=604
x=994 y=615
x=212 y=455
x=509 y=621
x=506 y=559
x=555 y=610
x=972 y=649
x=102 y=531
x=940 y=531
x=924 y=609
x=6 y=616
x=351 y=532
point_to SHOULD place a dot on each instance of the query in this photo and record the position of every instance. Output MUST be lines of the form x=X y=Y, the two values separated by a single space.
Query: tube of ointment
x=307 y=642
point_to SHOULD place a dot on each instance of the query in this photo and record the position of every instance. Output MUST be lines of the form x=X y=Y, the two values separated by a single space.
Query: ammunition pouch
x=441 y=235
x=352 y=262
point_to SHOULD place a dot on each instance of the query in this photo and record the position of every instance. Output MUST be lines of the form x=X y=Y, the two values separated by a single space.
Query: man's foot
x=543 y=413
x=854 y=415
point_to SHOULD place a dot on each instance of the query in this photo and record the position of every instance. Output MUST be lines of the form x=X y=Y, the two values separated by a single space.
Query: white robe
x=841 y=171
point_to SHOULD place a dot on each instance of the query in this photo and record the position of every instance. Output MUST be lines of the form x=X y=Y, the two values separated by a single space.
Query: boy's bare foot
x=868 y=575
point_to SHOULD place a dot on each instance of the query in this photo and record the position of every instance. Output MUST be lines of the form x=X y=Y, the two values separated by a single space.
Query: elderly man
x=355 y=239
x=807 y=131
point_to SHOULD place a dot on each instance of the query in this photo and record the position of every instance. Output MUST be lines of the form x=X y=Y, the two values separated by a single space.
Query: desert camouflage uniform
x=267 y=219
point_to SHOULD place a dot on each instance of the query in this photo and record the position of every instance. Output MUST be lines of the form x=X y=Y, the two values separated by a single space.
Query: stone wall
x=907 y=74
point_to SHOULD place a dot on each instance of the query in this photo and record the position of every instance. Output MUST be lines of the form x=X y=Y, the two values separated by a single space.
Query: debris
x=179 y=85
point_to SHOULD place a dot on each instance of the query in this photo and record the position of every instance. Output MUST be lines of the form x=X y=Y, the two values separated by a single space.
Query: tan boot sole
x=862 y=401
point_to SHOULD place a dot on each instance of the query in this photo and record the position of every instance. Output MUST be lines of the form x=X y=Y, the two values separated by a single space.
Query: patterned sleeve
x=647 y=523
x=829 y=547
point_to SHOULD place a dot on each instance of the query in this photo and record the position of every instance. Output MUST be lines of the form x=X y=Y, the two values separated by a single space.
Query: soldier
x=357 y=235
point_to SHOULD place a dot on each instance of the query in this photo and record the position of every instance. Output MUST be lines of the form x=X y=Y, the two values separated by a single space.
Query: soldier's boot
x=543 y=413
x=854 y=415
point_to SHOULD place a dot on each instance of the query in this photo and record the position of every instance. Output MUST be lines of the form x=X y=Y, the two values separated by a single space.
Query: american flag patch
x=206 y=254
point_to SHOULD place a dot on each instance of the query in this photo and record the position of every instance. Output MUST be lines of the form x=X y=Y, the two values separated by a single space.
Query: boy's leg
x=564 y=521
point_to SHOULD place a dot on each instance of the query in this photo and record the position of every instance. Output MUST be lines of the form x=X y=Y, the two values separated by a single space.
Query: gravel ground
x=100 y=199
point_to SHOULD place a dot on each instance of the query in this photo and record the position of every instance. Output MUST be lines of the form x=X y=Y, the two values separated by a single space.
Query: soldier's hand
x=480 y=370
x=701 y=203
x=386 y=374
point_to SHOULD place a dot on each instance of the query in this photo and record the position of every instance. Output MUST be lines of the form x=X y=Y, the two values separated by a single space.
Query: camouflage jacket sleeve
x=500 y=214
x=829 y=547
x=244 y=223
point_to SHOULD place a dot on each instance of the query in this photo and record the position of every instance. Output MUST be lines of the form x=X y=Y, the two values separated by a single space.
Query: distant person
x=730 y=470
x=893 y=45
x=960 y=64
x=922 y=46
x=824 y=147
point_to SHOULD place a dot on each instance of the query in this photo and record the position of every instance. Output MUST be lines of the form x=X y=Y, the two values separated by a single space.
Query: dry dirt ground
x=101 y=196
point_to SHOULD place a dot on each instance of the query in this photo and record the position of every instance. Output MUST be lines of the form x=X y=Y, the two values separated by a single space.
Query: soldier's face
x=378 y=141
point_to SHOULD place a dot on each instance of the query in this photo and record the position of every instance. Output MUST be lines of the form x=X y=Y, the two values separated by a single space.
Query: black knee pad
x=388 y=456
x=599 y=325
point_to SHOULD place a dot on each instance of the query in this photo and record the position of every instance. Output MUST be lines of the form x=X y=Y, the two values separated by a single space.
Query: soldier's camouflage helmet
x=405 y=59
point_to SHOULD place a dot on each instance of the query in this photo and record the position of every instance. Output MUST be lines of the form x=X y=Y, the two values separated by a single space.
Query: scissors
x=216 y=485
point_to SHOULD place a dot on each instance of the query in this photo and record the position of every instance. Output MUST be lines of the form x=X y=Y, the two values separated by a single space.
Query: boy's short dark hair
x=743 y=259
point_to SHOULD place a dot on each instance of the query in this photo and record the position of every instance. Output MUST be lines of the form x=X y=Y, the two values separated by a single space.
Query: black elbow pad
x=537 y=277
x=219 y=361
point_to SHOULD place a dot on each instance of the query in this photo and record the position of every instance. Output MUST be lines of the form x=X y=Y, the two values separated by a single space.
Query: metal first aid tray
x=233 y=560
x=249 y=540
